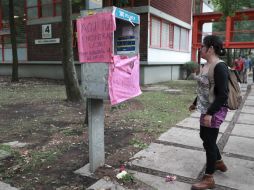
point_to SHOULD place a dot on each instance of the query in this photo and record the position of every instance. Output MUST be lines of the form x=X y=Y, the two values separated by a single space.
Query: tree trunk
x=229 y=57
x=13 y=43
x=70 y=78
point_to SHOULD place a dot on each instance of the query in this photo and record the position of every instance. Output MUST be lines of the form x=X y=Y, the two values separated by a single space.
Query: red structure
x=200 y=19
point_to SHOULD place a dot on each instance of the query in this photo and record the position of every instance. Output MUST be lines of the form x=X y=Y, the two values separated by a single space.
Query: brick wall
x=136 y=3
x=46 y=52
x=143 y=36
x=43 y=52
x=180 y=9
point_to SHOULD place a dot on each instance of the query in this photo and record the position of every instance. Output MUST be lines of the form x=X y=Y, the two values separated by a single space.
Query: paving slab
x=249 y=103
x=246 y=118
x=243 y=130
x=183 y=136
x=84 y=171
x=244 y=85
x=189 y=122
x=251 y=93
x=240 y=174
x=159 y=182
x=248 y=109
x=103 y=184
x=195 y=114
x=192 y=122
x=155 y=88
x=4 y=186
x=240 y=145
x=16 y=144
x=229 y=117
x=173 y=91
x=243 y=89
x=171 y=159
x=250 y=97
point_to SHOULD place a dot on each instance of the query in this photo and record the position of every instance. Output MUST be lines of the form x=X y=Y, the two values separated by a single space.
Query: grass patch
x=127 y=178
x=31 y=94
x=161 y=109
x=72 y=132
x=38 y=158
x=138 y=144
x=9 y=149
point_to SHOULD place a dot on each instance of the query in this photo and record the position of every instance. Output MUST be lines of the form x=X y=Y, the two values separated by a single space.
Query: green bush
x=190 y=67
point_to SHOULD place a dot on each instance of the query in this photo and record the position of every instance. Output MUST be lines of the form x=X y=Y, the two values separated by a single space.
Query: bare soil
x=35 y=111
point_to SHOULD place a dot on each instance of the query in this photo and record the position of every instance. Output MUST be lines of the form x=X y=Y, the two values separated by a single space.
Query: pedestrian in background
x=239 y=67
x=212 y=113
x=246 y=68
x=250 y=63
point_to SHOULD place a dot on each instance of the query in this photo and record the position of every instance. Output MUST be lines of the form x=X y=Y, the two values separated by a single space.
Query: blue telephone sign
x=126 y=15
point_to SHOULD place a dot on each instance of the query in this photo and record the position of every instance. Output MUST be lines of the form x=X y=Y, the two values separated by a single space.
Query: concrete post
x=96 y=133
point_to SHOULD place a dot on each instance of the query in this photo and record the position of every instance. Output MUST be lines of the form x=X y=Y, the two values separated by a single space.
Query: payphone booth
x=108 y=44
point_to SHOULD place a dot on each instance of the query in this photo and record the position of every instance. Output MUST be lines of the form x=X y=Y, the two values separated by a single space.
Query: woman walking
x=211 y=101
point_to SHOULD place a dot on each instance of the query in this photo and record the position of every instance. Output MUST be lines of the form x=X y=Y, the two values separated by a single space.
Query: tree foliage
x=229 y=7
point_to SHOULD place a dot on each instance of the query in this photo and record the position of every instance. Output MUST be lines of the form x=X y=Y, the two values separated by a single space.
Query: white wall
x=22 y=54
x=161 y=56
x=207 y=7
x=207 y=27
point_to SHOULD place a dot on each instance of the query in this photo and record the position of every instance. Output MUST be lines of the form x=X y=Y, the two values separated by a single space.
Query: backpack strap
x=211 y=81
x=237 y=76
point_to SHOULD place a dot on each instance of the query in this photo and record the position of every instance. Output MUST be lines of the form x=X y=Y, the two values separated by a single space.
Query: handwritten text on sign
x=95 y=35
x=123 y=79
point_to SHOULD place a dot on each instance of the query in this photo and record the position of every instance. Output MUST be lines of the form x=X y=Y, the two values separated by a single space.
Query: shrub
x=190 y=67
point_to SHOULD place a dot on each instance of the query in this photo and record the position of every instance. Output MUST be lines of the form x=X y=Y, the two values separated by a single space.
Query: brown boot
x=219 y=165
x=207 y=182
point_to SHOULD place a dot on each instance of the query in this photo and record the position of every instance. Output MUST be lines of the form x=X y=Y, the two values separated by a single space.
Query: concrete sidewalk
x=179 y=152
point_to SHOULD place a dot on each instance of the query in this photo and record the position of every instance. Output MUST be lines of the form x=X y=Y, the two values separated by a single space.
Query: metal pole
x=96 y=133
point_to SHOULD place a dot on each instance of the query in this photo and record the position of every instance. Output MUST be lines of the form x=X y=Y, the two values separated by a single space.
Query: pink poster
x=95 y=35
x=123 y=79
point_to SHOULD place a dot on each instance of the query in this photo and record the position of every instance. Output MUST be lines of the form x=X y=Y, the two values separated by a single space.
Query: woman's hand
x=192 y=107
x=207 y=121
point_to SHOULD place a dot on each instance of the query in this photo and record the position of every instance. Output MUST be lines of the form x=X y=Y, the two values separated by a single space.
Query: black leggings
x=209 y=137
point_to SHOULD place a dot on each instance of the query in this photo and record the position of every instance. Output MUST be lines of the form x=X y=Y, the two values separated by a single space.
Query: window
x=47 y=8
x=122 y=3
x=32 y=11
x=166 y=35
x=155 y=32
x=177 y=35
x=184 y=43
x=58 y=8
x=43 y=8
x=171 y=35
x=78 y=5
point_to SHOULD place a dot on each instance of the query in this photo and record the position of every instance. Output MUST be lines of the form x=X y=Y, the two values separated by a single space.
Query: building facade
x=165 y=37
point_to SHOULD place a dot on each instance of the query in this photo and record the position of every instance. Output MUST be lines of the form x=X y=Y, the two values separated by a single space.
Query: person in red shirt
x=239 y=67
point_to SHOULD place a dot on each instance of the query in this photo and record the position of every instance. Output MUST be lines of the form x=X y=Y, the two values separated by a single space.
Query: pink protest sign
x=95 y=35
x=123 y=79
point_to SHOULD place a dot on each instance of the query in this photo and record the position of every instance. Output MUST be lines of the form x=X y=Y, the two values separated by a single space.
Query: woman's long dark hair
x=216 y=43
